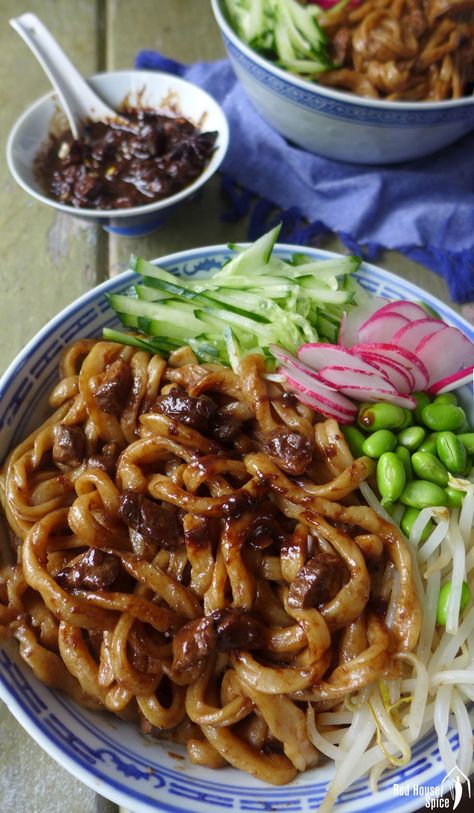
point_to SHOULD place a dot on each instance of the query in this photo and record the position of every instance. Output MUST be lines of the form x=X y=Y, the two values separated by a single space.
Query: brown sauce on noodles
x=206 y=590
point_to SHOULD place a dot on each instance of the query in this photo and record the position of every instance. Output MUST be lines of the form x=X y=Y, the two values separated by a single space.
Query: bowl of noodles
x=392 y=81
x=192 y=674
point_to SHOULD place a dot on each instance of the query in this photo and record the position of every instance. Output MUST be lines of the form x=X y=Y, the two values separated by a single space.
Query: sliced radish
x=363 y=387
x=318 y=355
x=445 y=352
x=452 y=382
x=410 y=310
x=410 y=335
x=352 y=320
x=341 y=377
x=318 y=396
x=401 y=378
x=381 y=327
x=288 y=360
x=402 y=356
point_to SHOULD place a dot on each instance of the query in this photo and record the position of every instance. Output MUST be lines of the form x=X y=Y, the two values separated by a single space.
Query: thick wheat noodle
x=397 y=50
x=246 y=532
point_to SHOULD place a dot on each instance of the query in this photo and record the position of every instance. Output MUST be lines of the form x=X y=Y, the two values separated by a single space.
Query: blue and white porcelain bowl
x=108 y=754
x=341 y=125
x=161 y=91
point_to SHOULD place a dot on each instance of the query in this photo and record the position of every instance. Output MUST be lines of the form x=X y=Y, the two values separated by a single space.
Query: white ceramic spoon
x=78 y=100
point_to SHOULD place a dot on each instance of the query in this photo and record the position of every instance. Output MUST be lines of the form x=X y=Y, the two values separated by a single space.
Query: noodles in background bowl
x=402 y=50
x=195 y=554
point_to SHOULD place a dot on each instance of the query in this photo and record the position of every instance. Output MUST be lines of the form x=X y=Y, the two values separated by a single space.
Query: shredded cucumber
x=254 y=300
x=284 y=31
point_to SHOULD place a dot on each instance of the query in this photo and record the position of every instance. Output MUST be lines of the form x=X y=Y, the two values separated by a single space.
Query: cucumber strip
x=150 y=345
x=234 y=351
x=306 y=24
x=283 y=44
x=256 y=255
x=147 y=269
x=306 y=66
x=325 y=295
x=337 y=266
x=295 y=39
x=152 y=294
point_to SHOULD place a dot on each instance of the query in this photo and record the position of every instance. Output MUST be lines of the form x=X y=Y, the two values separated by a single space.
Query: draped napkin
x=422 y=208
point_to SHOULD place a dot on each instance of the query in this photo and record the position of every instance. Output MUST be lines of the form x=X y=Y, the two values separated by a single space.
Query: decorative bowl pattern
x=143 y=88
x=341 y=125
x=107 y=754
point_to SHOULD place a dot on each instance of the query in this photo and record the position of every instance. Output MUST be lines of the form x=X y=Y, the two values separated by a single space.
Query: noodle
x=192 y=554
x=401 y=49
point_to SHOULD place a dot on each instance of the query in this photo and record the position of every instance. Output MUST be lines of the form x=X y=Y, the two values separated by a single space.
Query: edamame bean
x=380 y=416
x=407 y=522
x=466 y=472
x=422 y=399
x=411 y=437
x=451 y=452
x=390 y=476
x=446 y=398
x=405 y=457
x=455 y=497
x=442 y=417
x=409 y=420
x=429 y=444
x=381 y=441
x=355 y=440
x=423 y=494
x=443 y=601
x=467 y=439
x=427 y=467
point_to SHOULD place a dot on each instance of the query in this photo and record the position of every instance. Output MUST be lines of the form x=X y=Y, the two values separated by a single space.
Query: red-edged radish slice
x=339 y=377
x=410 y=310
x=402 y=356
x=410 y=335
x=318 y=355
x=364 y=386
x=400 y=377
x=381 y=327
x=318 y=396
x=353 y=319
x=452 y=382
x=445 y=352
x=288 y=360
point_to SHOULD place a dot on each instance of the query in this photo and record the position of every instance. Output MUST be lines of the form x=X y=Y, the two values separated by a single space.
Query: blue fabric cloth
x=424 y=208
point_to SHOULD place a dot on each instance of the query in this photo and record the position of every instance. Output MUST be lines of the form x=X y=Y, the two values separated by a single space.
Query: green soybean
x=423 y=494
x=427 y=467
x=355 y=440
x=446 y=398
x=455 y=497
x=451 y=452
x=408 y=421
x=405 y=457
x=381 y=441
x=380 y=416
x=467 y=439
x=390 y=476
x=422 y=399
x=463 y=428
x=468 y=467
x=408 y=519
x=429 y=444
x=411 y=437
x=443 y=601
x=442 y=417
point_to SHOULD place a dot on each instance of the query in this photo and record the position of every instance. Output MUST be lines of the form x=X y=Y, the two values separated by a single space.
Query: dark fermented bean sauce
x=117 y=166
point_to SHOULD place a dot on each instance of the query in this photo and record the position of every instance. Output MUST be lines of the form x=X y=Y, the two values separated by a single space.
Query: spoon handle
x=77 y=98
